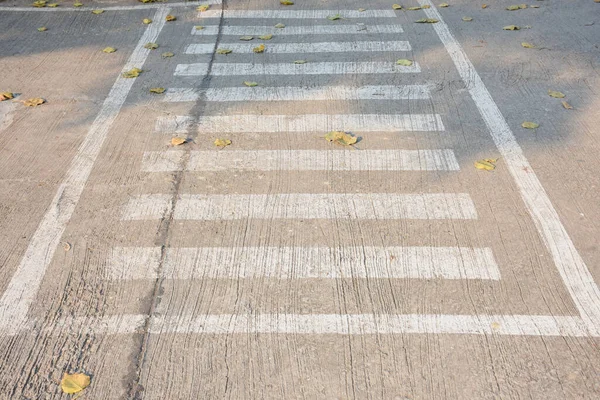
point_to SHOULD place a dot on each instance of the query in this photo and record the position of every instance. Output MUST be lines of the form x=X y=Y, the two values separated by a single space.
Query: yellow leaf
x=203 y=7
x=246 y=38
x=170 y=17
x=132 y=73
x=530 y=125
x=259 y=49
x=362 y=9
x=427 y=21
x=413 y=8
x=77 y=4
x=495 y=326
x=34 y=102
x=487 y=164
x=6 y=96
x=517 y=7
x=266 y=37
x=484 y=6
x=300 y=62
x=555 y=94
x=250 y=84
x=167 y=54
x=42 y=29
x=467 y=19
x=199 y=27
x=567 y=105
x=223 y=51
x=53 y=5
x=404 y=62
x=280 y=26
x=176 y=141
x=109 y=50
x=334 y=17
x=147 y=21
x=340 y=137
x=396 y=6
x=39 y=3
x=426 y=6
x=74 y=383
x=528 y=45
x=534 y=6
x=97 y=11
x=286 y=2
x=151 y=46
x=222 y=142
x=157 y=90
x=444 y=5
x=511 y=28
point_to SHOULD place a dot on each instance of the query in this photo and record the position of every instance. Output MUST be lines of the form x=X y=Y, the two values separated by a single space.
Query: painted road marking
x=127 y=263
x=575 y=274
x=298 y=30
x=297 y=14
x=310 y=68
x=110 y=8
x=302 y=123
x=302 y=160
x=379 y=206
x=25 y=282
x=327 y=93
x=319 y=47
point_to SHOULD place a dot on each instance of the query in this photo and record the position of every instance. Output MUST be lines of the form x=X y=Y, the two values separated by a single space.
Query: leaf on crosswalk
x=427 y=21
x=97 y=11
x=77 y=4
x=530 y=125
x=362 y=9
x=534 y=6
x=555 y=94
x=396 y=6
x=484 y=6
x=39 y=3
x=74 y=383
x=224 y=51
x=53 y=5
x=528 y=45
x=516 y=7
x=487 y=164
x=34 y=102
x=404 y=62
x=444 y=5
x=198 y=27
x=178 y=141
x=341 y=137
x=147 y=21
x=467 y=19
x=334 y=17
x=167 y=54
x=426 y=6
x=567 y=105
x=246 y=38
x=6 y=96
x=286 y=2
x=250 y=84
x=266 y=37
x=222 y=142
x=170 y=18
x=495 y=326
x=259 y=49
x=203 y=7
x=157 y=90
x=413 y=8
x=109 y=50
x=151 y=46
x=42 y=29
x=511 y=28
x=279 y=25
x=132 y=73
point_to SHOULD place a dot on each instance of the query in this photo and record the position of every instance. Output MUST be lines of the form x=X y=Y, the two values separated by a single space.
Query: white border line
x=210 y=30
x=25 y=282
x=111 y=8
x=304 y=48
x=575 y=274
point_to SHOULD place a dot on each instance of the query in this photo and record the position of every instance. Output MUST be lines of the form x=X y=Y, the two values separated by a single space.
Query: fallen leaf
x=170 y=18
x=467 y=19
x=484 y=6
x=286 y=2
x=567 y=105
x=74 y=383
x=39 y=3
x=555 y=94
x=517 y=7
x=97 y=11
x=157 y=90
x=487 y=164
x=167 y=54
x=6 y=96
x=36 y=101
x=266 y=37
x=511 y=28
x=426 y=6
x=495 y=326
x=280 y=26
x=198 y=27
x=534 y=6
x=246 y=38
x=404 y=62
x=342 y=138
x=396 y=6
x=66 y=246
x=77 y=4
x=203 y=7
x=224 y=51
x=147 y=21
x=250 y=84
x=528 y=45
x=443 y=5
x=300 y=62
x=151 y=46
x=176 y=141
x=530 y=125
x=413 y=8
x=334 y=17
x=42 y=29
x=222 y=142
x=53 y=5
x=109 y=50
x=427 y=21
x=362 y=9
x=132 y=73
x=259 y=49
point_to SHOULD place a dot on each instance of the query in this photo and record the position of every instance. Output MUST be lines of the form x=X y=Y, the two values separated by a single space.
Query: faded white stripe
x=173 y=124
x=128 y=263
x=302 y=160
x=336 y=29
x=62 y=8
x=380 y=206
x=320 y=47
x=329 y=93
x=297 y=14
x=310 y=68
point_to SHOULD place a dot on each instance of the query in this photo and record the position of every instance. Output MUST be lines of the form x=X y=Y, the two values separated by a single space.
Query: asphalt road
x=282 y=265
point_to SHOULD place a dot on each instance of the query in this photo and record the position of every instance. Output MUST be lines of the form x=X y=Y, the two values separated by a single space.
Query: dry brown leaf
x=555 y=94
x=528 y=45
x=77 y=4
x=443 y=5
x=487 y=164
x=66 y=246
x=151 y=46
x=109 y=50
x=427 y=21
x=567 y=105
x=362 y=9
x=177 y=141
x=467 y=19
x=246 y=38
x=224 y=51
x=222 y=142
x=198 y=27
x=250 y=84
x=132 y=73
x=426 y=6
x=300 y=62
x=97 y=11
x=203 y=7
x=39 y=3
x=170 y=18
x=42 y=29
x=413 y=8
x=341 y=137
x=511 y=28
x=334 y=17
x=36 y=101
x=53 y=5
x=74 y=383
x=266 y=37
x=396 y=6
x=286 y=2
x=530 y=125
x=167 y=54
x=484 y=6
x=279 y=26
x=157 y=90
x=147 y=21
x=259 y=49
x=6 y=96
x=404 y=62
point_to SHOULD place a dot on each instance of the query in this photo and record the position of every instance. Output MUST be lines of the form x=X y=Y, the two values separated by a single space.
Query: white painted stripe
x=297 y=14
x=380 y=206
x=320 y=47
x=173 y=124
x=575 y=274
x=302 y=160
x=25 y=283
x=328 y=93
x=128 y=263
x=111 y=8
x=310 y=68
x=336 y=29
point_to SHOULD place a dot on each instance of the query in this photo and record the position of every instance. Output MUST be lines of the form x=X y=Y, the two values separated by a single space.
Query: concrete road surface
x=284 y=266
